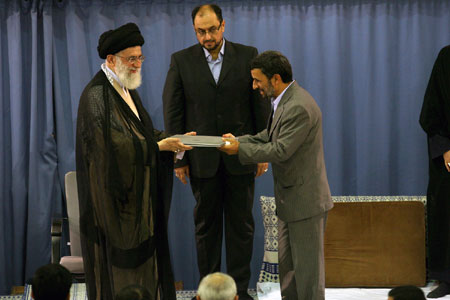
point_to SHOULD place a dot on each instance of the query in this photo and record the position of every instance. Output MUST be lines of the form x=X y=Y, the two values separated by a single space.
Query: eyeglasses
x=212 y=31
x=133 y=59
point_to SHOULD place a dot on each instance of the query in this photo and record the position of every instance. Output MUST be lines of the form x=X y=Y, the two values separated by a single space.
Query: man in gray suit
x=292 y=142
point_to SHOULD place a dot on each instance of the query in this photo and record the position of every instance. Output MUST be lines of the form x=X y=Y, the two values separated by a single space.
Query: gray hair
x=217 y=286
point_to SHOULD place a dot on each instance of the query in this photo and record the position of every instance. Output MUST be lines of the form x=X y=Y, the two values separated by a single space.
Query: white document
x=200 y=140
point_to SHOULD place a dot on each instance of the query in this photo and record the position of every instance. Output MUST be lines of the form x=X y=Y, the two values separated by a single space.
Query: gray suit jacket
x=294 y=147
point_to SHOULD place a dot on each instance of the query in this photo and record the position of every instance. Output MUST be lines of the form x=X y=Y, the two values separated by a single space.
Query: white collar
x=278 y=99
x=221 y=52
x=113 y=76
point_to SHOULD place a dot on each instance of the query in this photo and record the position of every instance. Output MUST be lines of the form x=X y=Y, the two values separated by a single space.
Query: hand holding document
x=174 y=144
x=227 y=143
x=179 y=153
x=231 y=144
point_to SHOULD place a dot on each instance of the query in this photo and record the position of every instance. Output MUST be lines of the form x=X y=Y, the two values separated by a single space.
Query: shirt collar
x=221 y=53
x=277 y=99
x=112 y=76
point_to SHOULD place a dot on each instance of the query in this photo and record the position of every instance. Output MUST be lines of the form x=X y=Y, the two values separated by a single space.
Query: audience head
x=51 y=282
x=217 y=286
x=406 y=292
x=134 y=292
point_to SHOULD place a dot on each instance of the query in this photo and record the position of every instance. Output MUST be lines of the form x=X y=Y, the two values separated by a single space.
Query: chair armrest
x=56 y=232
x=56 y=229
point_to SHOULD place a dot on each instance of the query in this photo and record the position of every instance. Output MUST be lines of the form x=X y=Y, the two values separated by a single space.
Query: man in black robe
x=435 y=120
x=124 y=176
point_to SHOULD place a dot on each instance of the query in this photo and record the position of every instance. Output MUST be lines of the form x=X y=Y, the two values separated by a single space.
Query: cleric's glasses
x=133 y=59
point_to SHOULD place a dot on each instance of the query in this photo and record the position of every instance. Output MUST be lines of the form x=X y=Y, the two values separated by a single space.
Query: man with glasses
x=208 y=89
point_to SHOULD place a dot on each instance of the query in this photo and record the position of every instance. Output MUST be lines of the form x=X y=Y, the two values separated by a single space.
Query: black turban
x=113 y=41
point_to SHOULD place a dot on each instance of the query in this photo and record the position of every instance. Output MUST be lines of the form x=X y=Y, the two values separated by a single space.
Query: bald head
x=217 y=286
x=205 y=9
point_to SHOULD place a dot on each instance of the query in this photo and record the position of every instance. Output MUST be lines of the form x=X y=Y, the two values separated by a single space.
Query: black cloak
x=124 y=189
x=435 y=121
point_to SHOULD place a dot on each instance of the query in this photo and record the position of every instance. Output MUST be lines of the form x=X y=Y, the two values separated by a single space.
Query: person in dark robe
x=435 y=121
x=124 y=175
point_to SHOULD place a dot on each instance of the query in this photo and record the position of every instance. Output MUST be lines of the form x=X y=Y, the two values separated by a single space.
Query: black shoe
x=244 y=296
x=439 y=292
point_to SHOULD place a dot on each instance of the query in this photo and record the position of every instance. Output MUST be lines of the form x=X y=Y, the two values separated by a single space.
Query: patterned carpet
x=78 y=292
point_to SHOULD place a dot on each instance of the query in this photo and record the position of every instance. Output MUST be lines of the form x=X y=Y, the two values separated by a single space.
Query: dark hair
x=407 y=292
x=134 y=292
x=51 y=282
x=214 y=7
x=271 y=63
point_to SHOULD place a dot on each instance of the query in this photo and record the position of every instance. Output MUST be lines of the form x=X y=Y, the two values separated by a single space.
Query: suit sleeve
x=261 y=137
x=295 y=127
x=173 y=105
x=260 y=106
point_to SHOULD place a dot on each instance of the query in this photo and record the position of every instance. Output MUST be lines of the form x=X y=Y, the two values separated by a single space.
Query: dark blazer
x=294 y=147
x=193 y=101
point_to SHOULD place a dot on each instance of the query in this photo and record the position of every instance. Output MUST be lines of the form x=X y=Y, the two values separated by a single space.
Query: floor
x=78 y=292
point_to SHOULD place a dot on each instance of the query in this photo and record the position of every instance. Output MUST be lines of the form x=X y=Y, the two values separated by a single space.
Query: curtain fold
x=30 y=188
x=366 y=63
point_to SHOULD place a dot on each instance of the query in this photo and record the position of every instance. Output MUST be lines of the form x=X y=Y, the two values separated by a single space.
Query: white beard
x=130 y=80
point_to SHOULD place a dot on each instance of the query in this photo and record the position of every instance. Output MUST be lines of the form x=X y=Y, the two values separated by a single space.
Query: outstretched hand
x=231 y=146
x=172 y=144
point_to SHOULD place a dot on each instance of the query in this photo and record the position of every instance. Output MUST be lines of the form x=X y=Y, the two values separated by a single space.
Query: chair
x=74 y=262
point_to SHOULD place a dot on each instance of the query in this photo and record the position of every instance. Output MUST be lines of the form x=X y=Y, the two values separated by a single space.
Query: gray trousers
x=301 y=258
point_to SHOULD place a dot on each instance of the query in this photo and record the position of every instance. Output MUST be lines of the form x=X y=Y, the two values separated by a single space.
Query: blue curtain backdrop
x=366 y=63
